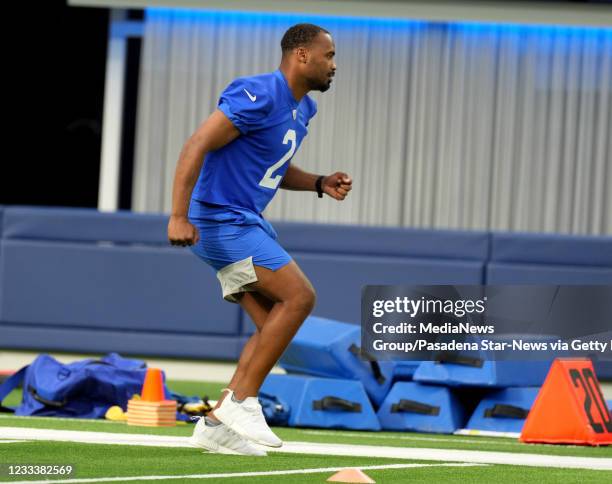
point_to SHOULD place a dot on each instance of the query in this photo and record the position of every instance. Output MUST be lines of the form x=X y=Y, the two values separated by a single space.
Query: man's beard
x=316 y=85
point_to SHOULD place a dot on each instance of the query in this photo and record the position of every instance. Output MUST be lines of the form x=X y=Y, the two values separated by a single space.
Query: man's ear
x=302 y=54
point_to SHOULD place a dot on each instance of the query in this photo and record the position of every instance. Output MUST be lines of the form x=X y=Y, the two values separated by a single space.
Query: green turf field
x=96 y=462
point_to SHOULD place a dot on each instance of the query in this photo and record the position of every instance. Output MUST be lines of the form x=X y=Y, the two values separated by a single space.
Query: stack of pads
x=332 y=383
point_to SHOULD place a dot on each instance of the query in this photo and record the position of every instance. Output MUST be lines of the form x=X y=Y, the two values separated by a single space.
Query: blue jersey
x=246 y=173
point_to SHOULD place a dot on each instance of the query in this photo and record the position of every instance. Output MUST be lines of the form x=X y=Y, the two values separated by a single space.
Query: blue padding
x=323 y=347
x=505 y=273
x=565 y=250
x=84 y=225
x=404 y=370
x=39 y=337
x=496 y=374
x=501 y=410
x=603 y=370
x=387 y=241
x=137 y=288
x=421 y=408
x=338 y=280
x=302 y=393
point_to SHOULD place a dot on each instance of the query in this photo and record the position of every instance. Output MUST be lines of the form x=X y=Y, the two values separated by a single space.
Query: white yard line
x=443 y=455
x=237 y=474
x=2 y=441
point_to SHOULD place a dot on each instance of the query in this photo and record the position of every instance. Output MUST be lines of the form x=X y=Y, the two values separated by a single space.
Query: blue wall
x=80 y=280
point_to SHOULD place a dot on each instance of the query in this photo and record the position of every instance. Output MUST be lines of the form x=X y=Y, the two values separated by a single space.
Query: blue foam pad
x=84 y=225
x=385 y=241
x=477 y=369
x=323 y=402
x=421 y=408
x=494 y=374
x=404 y=370
x=504 y=410
x=603 y=369
x=323 y=347
x=136 y=288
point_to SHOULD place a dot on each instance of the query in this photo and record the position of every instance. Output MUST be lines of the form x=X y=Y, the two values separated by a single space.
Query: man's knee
x=304 y=300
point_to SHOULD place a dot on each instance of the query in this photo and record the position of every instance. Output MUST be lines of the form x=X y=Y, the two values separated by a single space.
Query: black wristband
x=318 y=186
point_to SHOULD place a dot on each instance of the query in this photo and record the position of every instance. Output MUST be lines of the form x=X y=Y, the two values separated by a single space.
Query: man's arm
x=214 y=133
x=336 y=185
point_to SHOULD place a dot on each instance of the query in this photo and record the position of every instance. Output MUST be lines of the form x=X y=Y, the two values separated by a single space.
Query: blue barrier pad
x=383 y=241
x=421 y=408
x=504 y=410
x=338 y=280
x=556 y=249
x=603 y=369
x=495 y=374
x=42 y=337
x=404 y=370
x=327 y=348
x=323 y=402
x=506 y=273
x=144 y=288
x=84 y=225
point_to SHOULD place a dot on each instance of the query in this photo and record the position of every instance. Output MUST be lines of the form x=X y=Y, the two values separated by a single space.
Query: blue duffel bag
x=82 y=389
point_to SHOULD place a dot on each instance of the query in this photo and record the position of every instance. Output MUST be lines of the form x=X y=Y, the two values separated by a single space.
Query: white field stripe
x=236 y=474
x=2 y=441
x=374 y=435
x=487 y=433
x=413 y=453
x=54 y=419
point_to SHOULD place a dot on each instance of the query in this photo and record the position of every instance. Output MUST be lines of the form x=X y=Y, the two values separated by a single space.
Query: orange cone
x=351 y=475
x=152 y=410
x=570 y=408
x=153 y=387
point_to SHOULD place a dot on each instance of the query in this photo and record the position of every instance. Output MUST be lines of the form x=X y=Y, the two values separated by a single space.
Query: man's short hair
x=300 y=35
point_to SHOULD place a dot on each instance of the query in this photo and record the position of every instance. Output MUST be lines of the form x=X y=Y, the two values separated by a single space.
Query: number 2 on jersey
x=267 y=180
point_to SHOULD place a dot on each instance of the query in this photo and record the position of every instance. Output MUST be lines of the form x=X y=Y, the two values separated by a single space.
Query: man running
x=246 y=147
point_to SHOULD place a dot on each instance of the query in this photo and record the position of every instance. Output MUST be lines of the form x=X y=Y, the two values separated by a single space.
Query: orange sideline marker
x=570 y=408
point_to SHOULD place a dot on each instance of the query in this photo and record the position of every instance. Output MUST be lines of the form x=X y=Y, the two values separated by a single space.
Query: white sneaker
x=221 y=440
x=247 y=420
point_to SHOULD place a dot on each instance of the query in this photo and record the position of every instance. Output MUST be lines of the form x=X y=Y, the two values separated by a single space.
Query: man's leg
x=258 y=308
x=294 y=298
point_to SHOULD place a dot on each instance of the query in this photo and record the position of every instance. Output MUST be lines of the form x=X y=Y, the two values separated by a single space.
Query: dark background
x=57 y=60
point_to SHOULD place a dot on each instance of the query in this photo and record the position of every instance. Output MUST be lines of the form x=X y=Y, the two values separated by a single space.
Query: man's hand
x=182 y=232
x=337 y=185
